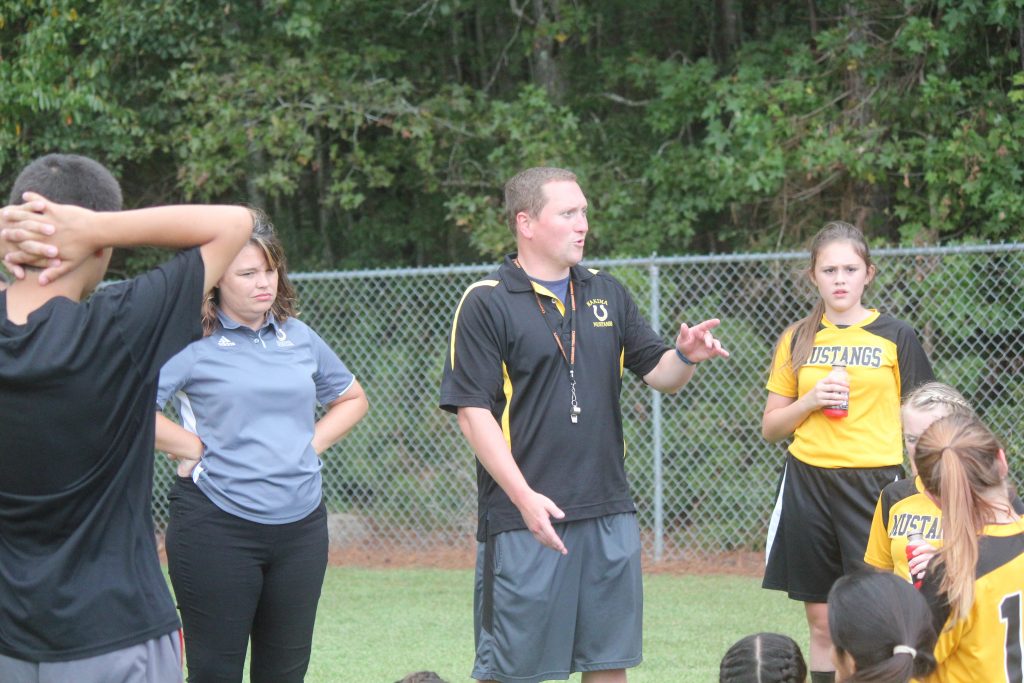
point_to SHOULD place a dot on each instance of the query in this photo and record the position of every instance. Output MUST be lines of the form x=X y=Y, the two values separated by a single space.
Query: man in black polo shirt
x=534 y=373
x=82 y=596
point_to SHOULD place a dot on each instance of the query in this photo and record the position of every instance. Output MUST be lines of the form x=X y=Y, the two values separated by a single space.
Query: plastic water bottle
x=843 y=409
x=912 y=539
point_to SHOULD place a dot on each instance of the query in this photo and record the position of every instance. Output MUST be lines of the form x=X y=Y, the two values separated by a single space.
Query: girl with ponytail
x=845 y=428
x=976 y=582
x=881 y=629
x=904 y=511
x=903 y=507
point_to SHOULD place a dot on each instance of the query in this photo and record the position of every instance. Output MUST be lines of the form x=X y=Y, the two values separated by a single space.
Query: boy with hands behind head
x=82 y=596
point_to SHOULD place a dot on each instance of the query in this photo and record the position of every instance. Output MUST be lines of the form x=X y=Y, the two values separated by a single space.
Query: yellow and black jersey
x=884 y=360
x=985 y=646
x=902 y=509
x=503 y=356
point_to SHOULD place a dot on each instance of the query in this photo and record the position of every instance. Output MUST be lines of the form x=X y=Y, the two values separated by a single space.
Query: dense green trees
x=379 y=133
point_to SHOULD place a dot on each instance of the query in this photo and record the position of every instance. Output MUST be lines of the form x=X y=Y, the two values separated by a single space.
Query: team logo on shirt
x=600 y=309
x=905 y=523
x=862 y=356
x=224 y=342
x=282 y=338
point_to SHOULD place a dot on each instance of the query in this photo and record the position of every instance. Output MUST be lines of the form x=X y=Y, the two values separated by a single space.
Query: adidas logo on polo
x=224 y=341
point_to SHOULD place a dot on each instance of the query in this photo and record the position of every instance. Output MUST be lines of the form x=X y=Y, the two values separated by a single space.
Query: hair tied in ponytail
x=904 y=650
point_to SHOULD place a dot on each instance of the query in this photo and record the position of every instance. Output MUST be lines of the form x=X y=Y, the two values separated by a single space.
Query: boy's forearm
x=219 y=231
x=173 y=227
x=61 y=237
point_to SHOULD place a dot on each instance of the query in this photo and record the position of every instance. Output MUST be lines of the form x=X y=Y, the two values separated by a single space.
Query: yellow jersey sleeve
x=782 y=379
x=878 y=552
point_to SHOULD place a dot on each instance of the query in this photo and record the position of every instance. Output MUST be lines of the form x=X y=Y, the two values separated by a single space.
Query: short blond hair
x=524 y=192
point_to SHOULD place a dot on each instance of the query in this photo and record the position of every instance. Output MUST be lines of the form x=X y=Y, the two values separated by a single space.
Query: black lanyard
x=570 y=358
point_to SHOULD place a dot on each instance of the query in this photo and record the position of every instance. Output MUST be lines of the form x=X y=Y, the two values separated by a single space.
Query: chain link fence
x=703 y=477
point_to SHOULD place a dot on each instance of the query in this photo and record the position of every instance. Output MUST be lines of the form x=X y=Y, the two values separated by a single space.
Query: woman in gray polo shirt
x=247 y=538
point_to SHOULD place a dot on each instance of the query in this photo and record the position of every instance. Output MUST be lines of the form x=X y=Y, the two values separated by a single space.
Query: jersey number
x=1009 y=614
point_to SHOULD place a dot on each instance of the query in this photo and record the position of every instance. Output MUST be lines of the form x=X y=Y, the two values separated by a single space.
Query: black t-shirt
x=79 y=573
x=503 y=357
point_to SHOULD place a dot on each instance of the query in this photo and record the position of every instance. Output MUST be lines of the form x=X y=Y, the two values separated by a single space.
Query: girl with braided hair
x=763 y=658
x=975 y=584
x=903 y=508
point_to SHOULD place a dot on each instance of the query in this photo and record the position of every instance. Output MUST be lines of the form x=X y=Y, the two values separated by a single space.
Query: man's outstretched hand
x=698 y=344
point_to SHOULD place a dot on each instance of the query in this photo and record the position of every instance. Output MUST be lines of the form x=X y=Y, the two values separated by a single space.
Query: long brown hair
x=285 y=301
x=806 y=328
x=958 y=460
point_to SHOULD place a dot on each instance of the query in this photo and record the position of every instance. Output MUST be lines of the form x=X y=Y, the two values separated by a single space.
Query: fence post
x=659 y=520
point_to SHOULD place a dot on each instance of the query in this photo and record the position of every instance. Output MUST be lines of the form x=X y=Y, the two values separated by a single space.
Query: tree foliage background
x=380 y=133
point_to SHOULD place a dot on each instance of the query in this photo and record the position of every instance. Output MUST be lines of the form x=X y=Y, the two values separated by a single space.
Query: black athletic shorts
x=820 y=525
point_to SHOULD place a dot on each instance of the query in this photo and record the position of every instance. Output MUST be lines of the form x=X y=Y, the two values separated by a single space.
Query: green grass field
x=377 y=625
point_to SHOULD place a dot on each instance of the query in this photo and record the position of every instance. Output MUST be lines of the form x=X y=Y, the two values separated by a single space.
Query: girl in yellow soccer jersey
x=836 y=465
x=975 y=583
x=903 y=507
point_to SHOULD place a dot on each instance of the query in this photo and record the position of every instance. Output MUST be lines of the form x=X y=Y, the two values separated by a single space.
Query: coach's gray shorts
x=549 y=615
x=154 y=661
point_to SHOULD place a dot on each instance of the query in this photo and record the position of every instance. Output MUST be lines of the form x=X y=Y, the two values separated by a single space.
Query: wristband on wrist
x=683 y=358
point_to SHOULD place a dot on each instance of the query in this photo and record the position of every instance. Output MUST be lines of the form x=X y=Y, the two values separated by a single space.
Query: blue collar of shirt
x=516 y=279
x=230 y=324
